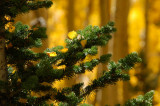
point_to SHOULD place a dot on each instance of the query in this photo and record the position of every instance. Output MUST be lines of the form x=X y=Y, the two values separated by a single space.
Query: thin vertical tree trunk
x=70 y=15
x=120 y=46
x=114 y=94
x=105 y=11
x=70 y=25
x=146 y=30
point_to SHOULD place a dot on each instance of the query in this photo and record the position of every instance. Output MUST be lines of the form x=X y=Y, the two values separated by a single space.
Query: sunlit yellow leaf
x=55 y=66
x=72 y=34
x=7 y=17
x=64 y=50
x=89 y=58
x=11 y=29
x=83 y=43
x=13 y=71
x=9 y=26
x=34 y=94
x=61 y=67
x=51 y=54
x=59 y=61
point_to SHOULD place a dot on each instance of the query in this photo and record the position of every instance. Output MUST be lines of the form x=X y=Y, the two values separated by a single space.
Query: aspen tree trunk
x=105 y=11
x=113 y=94
x=146 y=30
x=3 y=71
x=152 y=53
x=70 y=17
x=104 y=94
x=120 y=46
x=70 y=25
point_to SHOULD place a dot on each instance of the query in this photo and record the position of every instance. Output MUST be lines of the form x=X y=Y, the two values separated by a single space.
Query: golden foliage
x=9 y=26
x=83 y=43
x=52 y=54
x=64 y=50
x=72 y=34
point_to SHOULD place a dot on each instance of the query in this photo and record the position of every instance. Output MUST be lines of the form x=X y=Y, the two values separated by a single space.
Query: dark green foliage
x=14 y=7
x=32 y=74
x=114 y=74
x=22 y=37
x=105 y=58
x=92 y=51
x=129 y=61
x=145 y=100
x=33 y=69
x=30 y=83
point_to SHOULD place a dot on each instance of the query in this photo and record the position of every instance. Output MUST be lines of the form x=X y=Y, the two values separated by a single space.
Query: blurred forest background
x=138 y=29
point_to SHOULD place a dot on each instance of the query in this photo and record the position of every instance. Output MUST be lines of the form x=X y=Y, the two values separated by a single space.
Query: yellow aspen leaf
x=38 y=94
x=22 y=100
x=11 y=29
x=7 y=17
x=83 y=43
x=9 y=26
x=13 y=71
x=35 y=94
x=51 y=54
x=72 y=34
x=61 y=67
x=54 y=66
x=89 y=58
x=64 y=50
x=59 y=61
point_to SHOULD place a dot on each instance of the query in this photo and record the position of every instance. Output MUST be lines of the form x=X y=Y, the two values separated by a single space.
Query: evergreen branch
x=39 y=4
x=23 y=37
x=77 y=53
x=15 y=7
x=145 y=100
x=114 y=74
x=38 y=100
